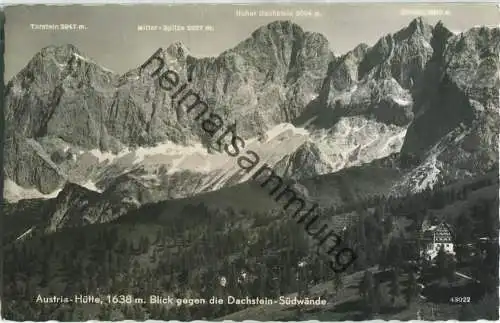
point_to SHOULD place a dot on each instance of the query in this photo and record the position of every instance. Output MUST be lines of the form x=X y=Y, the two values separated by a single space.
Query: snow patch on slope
x=357 y=140
x=14 y=193
x=168 y=148
x=169 y=158
x=281 y=128
x=82 y=58
x=429 y=172
x=103 y=156
x=283 y=139
x=352 y=141
x=424 y=176
x=90 y=185
x=85 y=59
x=402 y=100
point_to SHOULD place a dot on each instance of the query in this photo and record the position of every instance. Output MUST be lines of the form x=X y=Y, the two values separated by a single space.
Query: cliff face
x=421 y=90
x=267 y=79
x=57 y=88
x=457 y=126
x=377 y=82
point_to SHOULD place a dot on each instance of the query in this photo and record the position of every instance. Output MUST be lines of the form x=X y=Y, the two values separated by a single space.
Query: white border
x=4 y=3
x=248 y=321
x=101 y=2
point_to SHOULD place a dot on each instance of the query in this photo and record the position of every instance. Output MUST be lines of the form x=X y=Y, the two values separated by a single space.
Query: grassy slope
x=345 y=186
x=153 y=218
x=343 y=306
x=352 y=184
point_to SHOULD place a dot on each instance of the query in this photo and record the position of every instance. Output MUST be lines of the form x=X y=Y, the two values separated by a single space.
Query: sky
x=110 y=34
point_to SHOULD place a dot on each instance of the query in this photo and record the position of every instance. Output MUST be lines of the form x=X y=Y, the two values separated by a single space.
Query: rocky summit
x=423 y=97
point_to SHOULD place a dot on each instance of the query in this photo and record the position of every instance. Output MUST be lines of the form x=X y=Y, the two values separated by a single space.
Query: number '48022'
x=460 y=299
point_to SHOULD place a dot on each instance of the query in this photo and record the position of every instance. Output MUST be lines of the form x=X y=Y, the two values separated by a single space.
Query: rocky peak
x=307 y=161
x=440 y=29
x=459 y=106
x=402 y=55
x=178 y=50
x=440 y=35
x=276 y=71
x=472 y=58
x=279 y=27
x=283 y=39
x=343 y=73
x=417 y=23
x=378 y=81
x=52 y=64
x=58 y=59
x=279 y=74
x=484 y=40
x=359 y=51
x=59 y=83
x=417 y=27
x=61 y=53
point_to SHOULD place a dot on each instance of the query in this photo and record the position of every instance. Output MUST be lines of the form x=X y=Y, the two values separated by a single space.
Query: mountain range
x=417 y=109
x=111 y=188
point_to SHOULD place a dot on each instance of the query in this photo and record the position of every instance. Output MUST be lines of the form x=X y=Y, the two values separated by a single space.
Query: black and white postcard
x=293 y=162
